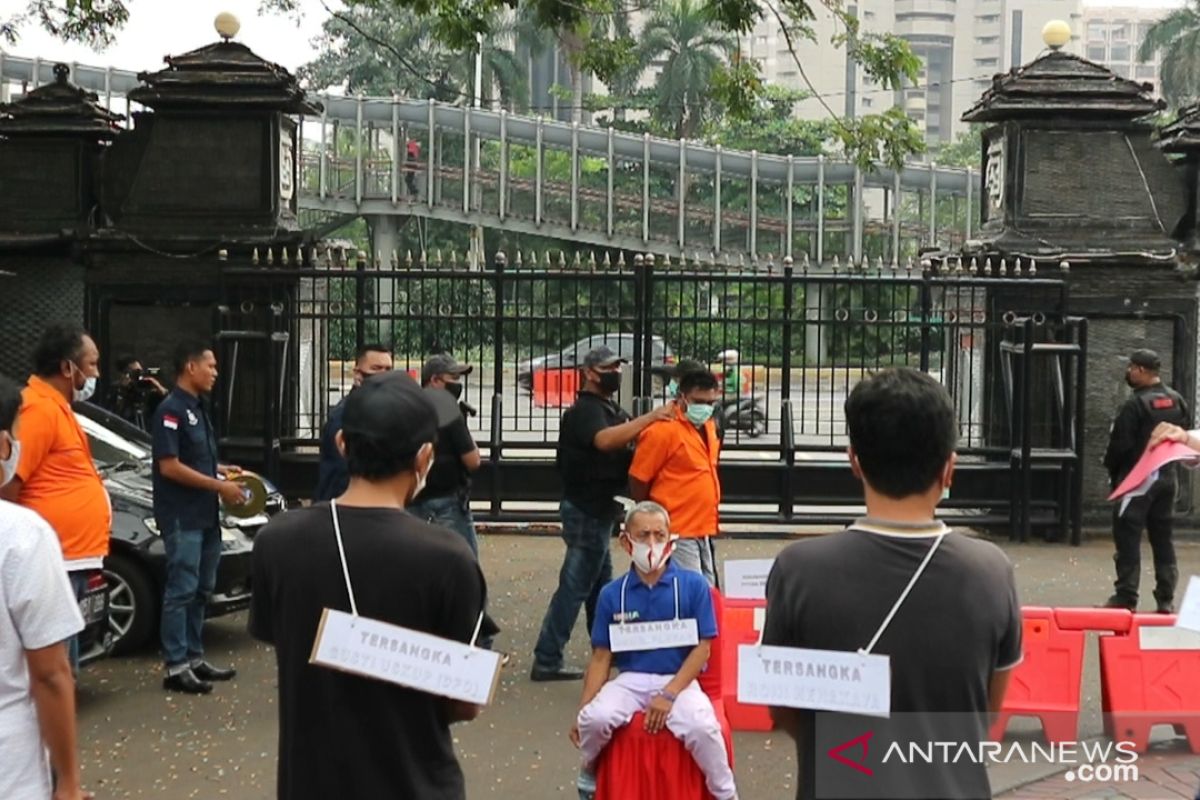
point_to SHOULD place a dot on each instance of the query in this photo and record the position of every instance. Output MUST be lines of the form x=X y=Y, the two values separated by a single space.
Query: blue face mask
x=699 y=413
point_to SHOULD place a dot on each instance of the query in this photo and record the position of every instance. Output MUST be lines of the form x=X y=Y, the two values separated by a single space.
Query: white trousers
x=692 y=721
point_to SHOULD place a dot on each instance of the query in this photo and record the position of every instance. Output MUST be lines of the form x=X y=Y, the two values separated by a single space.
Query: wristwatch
x=667 y=693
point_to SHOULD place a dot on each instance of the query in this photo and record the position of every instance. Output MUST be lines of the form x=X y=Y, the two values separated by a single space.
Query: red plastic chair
x=638 y=765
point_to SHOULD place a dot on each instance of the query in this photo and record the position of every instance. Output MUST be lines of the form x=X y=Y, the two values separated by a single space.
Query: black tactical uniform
x=1145 y=408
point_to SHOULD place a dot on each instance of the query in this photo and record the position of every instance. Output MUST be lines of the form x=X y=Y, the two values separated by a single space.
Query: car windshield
x=108 y=448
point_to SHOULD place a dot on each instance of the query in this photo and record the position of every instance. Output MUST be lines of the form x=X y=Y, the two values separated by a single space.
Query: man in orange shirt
x=56 y=476
x=675 y=465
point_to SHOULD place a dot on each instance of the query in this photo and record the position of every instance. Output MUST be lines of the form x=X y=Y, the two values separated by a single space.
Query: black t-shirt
x=591 y=478
x=343 y=735
x=960 y=623
x=448 y=476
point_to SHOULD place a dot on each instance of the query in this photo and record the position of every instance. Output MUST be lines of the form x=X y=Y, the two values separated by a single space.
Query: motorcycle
x=744 y=414
x=736 y=411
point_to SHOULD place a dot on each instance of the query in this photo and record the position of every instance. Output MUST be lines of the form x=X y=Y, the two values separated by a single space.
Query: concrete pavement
x=138 y=741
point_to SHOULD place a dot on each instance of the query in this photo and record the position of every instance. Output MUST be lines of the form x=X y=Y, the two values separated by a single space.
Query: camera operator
x=137 y=391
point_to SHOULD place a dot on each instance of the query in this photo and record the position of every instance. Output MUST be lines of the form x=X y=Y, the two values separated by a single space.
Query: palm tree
x=379 y=51
x=690 y=49
x=1177 y=37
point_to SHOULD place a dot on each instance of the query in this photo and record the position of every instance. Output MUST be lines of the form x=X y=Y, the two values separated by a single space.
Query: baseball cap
x=393 y=413
x=1147 y=359
x=602 y=356
x=443 y=364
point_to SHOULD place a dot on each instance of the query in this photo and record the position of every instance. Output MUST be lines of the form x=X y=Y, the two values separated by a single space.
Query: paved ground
x=138 y=741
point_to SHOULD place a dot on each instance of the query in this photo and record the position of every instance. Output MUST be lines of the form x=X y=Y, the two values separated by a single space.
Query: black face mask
x=455 y=389
x=610 y=382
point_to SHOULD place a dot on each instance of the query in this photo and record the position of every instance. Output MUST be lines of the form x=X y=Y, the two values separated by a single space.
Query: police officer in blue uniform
x=186 y=493
x=1152 y=402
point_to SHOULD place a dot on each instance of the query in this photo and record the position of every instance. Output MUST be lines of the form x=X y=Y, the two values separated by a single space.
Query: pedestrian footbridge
x=590 y=186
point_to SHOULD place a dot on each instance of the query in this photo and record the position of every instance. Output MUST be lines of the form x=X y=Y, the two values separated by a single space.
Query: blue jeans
x=455 y=514
x=449 y=512
x=586 y=567
x=192 y=558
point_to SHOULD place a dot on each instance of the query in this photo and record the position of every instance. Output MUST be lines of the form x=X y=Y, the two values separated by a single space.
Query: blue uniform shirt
x=182 y=429
x=332 y=476
x=654 y=604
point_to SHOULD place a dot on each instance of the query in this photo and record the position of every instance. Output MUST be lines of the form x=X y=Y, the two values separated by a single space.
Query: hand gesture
x=664 y=412
x=231 y=493
x=573 y=734
x=656 y=713
x=1166 y=432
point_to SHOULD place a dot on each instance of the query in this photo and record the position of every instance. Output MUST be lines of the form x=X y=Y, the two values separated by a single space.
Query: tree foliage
x=1177 y=37
x=965 y=151
x=590 y=33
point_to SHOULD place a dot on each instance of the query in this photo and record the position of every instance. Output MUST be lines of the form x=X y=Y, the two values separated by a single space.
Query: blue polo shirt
x=183 y=430
x=654 y=604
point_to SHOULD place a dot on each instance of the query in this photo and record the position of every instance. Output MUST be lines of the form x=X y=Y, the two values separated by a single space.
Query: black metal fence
x=803 y=336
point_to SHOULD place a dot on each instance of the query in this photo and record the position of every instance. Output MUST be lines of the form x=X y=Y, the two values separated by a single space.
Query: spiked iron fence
x=804 y=335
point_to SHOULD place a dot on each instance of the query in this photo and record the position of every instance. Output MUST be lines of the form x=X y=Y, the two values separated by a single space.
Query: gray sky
x=160 y=27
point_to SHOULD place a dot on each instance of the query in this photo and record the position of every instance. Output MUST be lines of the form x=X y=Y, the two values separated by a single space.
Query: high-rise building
x=961 y=43
x=1113 y=34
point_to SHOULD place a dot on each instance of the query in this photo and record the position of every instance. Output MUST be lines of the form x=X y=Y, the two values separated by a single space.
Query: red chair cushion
x=636 y=765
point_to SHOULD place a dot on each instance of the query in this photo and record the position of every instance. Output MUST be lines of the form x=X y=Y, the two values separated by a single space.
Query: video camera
x=138 y=393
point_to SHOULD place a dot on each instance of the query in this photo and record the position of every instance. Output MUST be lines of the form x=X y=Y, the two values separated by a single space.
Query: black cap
x=602 y=356
x=1146 y=359
x=443 y=364
x=391 y=410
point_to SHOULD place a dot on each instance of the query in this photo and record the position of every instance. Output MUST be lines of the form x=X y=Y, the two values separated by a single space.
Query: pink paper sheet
x=1152 y=460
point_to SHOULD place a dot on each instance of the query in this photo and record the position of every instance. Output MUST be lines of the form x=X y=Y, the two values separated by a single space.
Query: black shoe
x=560 y=674
x=206 y=671
x=186 y=682
x=1164 y=608
x=1119 y=602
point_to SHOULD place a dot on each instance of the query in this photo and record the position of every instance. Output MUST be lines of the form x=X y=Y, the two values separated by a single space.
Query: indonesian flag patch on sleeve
x=170 y=422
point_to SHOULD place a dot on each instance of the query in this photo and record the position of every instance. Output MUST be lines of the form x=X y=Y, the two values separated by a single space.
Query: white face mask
x=89 y=385
x=420 y=486
x=8 y=467
x=648 y=556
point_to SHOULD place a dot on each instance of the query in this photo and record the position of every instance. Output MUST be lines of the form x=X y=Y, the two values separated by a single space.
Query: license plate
x=94 y=607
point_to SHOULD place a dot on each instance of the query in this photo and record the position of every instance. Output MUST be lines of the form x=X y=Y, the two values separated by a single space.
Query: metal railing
x=671 y=198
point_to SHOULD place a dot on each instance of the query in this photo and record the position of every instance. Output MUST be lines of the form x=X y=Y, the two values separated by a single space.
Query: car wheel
x=132 y=604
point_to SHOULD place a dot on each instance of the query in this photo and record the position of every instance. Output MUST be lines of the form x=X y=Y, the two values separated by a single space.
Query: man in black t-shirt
x=595 y=442
x=344 y=735
x=446 y=499
x=955 y=636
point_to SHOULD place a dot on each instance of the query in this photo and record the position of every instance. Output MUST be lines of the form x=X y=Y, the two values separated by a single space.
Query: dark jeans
x=192 y=558
x=79 y=582
x=586 y=567
x=453 y=513
x=449 y=512
x=1151 y=511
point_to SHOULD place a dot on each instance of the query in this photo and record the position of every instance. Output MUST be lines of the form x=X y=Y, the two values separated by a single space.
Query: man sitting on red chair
x=657 y=665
